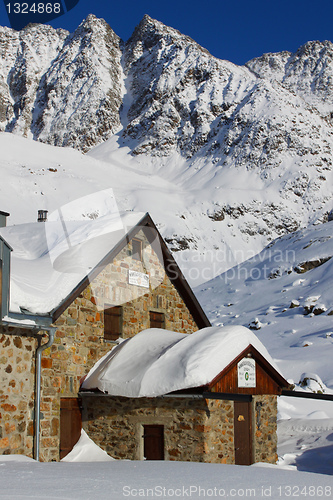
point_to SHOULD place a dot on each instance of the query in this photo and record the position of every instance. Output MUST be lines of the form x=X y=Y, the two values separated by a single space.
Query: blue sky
x=235 y=30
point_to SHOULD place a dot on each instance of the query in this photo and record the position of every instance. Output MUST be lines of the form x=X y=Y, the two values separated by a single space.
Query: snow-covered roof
x=156 y=362
x=50 y=259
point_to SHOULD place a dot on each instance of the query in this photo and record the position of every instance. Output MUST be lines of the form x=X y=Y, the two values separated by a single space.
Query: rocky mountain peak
x=308 y=73
x=151 y=34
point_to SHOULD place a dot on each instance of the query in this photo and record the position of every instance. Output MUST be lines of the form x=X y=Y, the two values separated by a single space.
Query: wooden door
x=243 y=433
x=153 y=442
x=70 y=424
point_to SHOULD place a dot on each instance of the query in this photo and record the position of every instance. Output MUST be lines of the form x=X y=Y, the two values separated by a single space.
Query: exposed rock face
x=25 y=56
x=178 y=91
x=67 y=90
x=307 y=73
x=63 y=89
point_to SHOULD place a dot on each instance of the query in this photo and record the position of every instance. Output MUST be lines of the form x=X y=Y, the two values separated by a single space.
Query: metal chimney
x=42 y=215
x=3 y=218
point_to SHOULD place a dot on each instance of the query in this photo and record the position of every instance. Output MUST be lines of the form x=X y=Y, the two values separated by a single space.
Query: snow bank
x=156 y=362
x=154 y=479
x=15 y=458
x=86 y=450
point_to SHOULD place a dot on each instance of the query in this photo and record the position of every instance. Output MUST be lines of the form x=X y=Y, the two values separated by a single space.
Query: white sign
x=138 y=279
x=247 y=372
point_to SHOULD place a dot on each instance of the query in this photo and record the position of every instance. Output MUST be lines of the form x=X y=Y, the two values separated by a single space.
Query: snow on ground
x=131 y=479
x=304 y=469
x=305 y=434
x=86 y=450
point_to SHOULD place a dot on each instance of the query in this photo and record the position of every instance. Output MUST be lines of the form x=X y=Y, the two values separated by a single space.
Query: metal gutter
x=308 y=395
x=105 y=395
x=227 y=397
x=51 y=332
x=203 y=395
x=27 y=320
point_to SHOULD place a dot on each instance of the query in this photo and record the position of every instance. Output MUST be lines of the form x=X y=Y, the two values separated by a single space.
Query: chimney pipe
x=42 y=215
x=3 y=218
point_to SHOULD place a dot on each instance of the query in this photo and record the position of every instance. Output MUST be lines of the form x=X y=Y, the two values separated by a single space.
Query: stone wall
x=265 y=428
x=78 y=344
x=17 y=368
x=195 y=430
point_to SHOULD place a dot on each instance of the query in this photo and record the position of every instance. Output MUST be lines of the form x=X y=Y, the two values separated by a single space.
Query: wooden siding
x=229 y=383
x=268 y=380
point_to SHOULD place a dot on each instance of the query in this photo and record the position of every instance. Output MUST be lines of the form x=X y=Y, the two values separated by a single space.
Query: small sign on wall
x=247 y=372
x=138 y=279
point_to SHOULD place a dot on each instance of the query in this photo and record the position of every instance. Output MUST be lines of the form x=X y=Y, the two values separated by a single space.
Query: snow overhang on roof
x=50 y=259
x=157 y=362
x=53 y=262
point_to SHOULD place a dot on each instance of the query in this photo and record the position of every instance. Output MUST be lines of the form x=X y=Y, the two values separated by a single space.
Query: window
x=113 y=322
x=156 y=319
x=136 y=249
x=153 y=442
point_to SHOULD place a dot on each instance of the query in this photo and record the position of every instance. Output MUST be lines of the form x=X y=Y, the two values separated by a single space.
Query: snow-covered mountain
x=61 y=88
x=225 y=158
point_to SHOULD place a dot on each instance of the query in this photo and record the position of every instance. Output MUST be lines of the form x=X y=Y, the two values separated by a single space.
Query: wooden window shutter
x=112 y=323
x=156 y=320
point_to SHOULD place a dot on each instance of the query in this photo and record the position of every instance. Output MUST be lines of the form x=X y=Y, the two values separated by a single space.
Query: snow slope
x=285 y=294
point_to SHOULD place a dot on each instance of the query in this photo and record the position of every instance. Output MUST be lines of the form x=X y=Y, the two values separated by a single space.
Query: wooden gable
x=268 y=379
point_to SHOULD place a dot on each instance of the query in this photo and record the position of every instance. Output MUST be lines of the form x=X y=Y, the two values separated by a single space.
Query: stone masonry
x=197 y=430
x=17 y=384
x=265 y=426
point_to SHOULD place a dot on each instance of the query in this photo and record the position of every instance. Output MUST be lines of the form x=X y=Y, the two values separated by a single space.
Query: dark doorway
x=153 y=442
x=243 y=433
x=70 y=424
